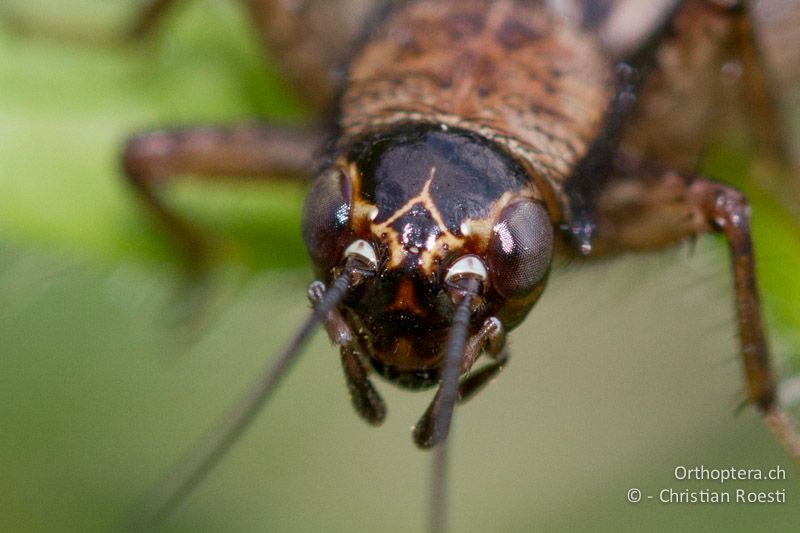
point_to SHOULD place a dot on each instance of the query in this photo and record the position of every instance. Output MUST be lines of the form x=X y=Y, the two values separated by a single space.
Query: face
x=427 y=207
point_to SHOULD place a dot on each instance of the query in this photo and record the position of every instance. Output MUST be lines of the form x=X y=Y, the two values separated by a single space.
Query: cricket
x=461 y=146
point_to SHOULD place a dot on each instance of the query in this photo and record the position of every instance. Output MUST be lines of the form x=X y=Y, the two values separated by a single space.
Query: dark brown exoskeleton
x=472 y=139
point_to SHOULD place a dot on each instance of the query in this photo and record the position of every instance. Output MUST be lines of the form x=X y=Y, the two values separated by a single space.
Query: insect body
x=441 y=184
x=473 y=138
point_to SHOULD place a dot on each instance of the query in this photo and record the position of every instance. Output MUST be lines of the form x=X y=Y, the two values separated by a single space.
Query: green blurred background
x=111 y=365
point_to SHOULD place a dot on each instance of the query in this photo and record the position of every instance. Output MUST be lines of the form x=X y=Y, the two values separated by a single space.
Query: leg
x=476 y=381
x=245 y=151
x=724 y=67
x=491 y=337
x=366 y=400
x=727 y=67
x=730 y=212
x=679 y=105
x=658 y=209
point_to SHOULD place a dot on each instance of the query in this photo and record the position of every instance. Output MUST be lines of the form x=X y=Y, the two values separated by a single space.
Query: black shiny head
x=429 y=205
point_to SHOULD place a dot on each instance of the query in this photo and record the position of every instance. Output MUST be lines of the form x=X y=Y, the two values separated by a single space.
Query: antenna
x=434 y=426
x=200 y=460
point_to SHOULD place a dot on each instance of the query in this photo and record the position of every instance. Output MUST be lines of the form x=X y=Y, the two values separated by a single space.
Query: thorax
x=510 y=71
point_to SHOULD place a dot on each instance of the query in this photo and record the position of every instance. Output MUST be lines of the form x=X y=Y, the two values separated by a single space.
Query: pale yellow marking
x=477 y=232
x=424 y=198
x=432 y=249
x=360 y=210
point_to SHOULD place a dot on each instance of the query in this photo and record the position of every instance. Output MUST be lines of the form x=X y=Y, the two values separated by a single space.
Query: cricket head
x=428 y=211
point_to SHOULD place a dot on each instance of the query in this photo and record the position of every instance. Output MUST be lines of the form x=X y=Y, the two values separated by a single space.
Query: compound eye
x=364 y=251
x=521 y=248
x=467 y=266
x=326 y=218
